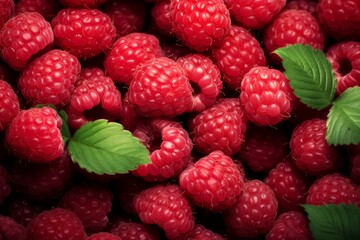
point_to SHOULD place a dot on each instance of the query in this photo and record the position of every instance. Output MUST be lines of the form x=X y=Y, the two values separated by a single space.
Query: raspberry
x=134 y=231
x=91 y=203
x=266 y=96
x=345 y=60
x=333 y=189
x=307 y=5
x=94 y=32
x=9 y=104
x=340 y=19
x=200 y=24
x=11 y=230
x=5 y=188
x=47 y=8
x=88 y=73
x=254 y=14
x=254 y=212
x=82 y=3
x=23 y=210
x=50 y=78
x=355 y=168
x=213 y=182
x=263 y=148
x=129 y=117
x=103 y=236
x=309 y=149
x=129 y=52
x=22 y=37
x=55 y=224
x=160 y=88
x=199 y=232
x=290 y=226
x=175 y=50
x=167 y=207
x=34 y=134
x=160 y=16
x=219 y=127
x=169 y=146
x=7 y=8
x=237 y=54
x=204 y=74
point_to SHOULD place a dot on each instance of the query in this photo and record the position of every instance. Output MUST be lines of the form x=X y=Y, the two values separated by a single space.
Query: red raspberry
x=160 y=88
x=199 y=232
x=129 y=52
x=266 y=96
x=23 y=210
x=5 y=188
x=82 y=3
x=290 y=226
x=11 y=230
x=129 y=117
x=345 y=60
x=175 y=50
x=204 y=74
x=254 y=14
x=94 y=32
x=47 y=8
x=9 y=104
x=7 y=8
x=200 y=24
x=60 y=69
x=22 y=37
x=307 y=5
x=289 y=186
x=91 y=203
x=213 y=182
x=333 y=189
x=309 y=149
x=169 y=146
x=55 y=224
x=231 y=63
x=340 y=19
x=135 y=231
x=89 y=73
x=167 y=207
x=34 y=134
x=254 y=212
x=160 y=16
x=219 y=127
x=103 y=236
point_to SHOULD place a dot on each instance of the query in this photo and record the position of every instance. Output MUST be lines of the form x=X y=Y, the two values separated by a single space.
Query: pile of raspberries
x=234 y=153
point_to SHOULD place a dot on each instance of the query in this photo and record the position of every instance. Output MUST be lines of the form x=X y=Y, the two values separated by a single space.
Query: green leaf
x=105 y=147
x=65 y=129
x=334 y=222
x=343 y=123
x=310 y=74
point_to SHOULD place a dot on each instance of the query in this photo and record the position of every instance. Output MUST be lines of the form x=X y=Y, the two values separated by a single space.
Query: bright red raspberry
x=266 y=95
x=9 y=104
x=333 y=189
x=213 y=182
x=199 y=232
x=47 y=8
x=219 y=127
x=237 y=54
x=88 y=73
x=134 y=231
x=254 y=14
x=22 y=37
x=82 y=3
x=290 y=225
x=254 y=212
x=5 y=188
x=7 y=9
x=55 y=224
x=60 y=69
x=345 y=60
x=34 y=134
x=167 y=207
x=160 y=16
x=307 y=5
x=93 y=33
x=169 y=145
x=205 y=76
x=103 y=236
x=309 y=149
x=340 y=19
x=11 y=230
x=23 y=211
x=160 y=88
x=128 y=53
x=200 y=24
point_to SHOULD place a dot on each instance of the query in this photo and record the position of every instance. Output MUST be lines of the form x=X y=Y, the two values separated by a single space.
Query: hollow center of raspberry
x=98 y=112
x=195 y=88
x=345 y=67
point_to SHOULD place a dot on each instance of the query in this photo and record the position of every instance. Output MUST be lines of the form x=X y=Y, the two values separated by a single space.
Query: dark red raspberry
x=34 y=135
x=167 y=207
x=22 y=37
x=175 y=50
x=129 y=117
x=333 y=189
x=135 y=231
x=160 y=16
x=254 y=212
x=103 y=236
x=7 y=9
x=309 y=149
x=82 y=3
x=213 y=182
x=266 y=95
x=9 y=104
x=219 y=127
x=199 y=232
x=345 y=60
x=5 y=188
x=47 y=8
x=169 y=146
x=11 y=230
x=355 y=168
x=160 y=88
x=23 y=210
x=307 y=5
x=60 y=69
x=232 y=64
x=129 y=52
x=291 y=225
x=94 y=32
x=55 y=224
x=254 y=14
x=200 y=24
